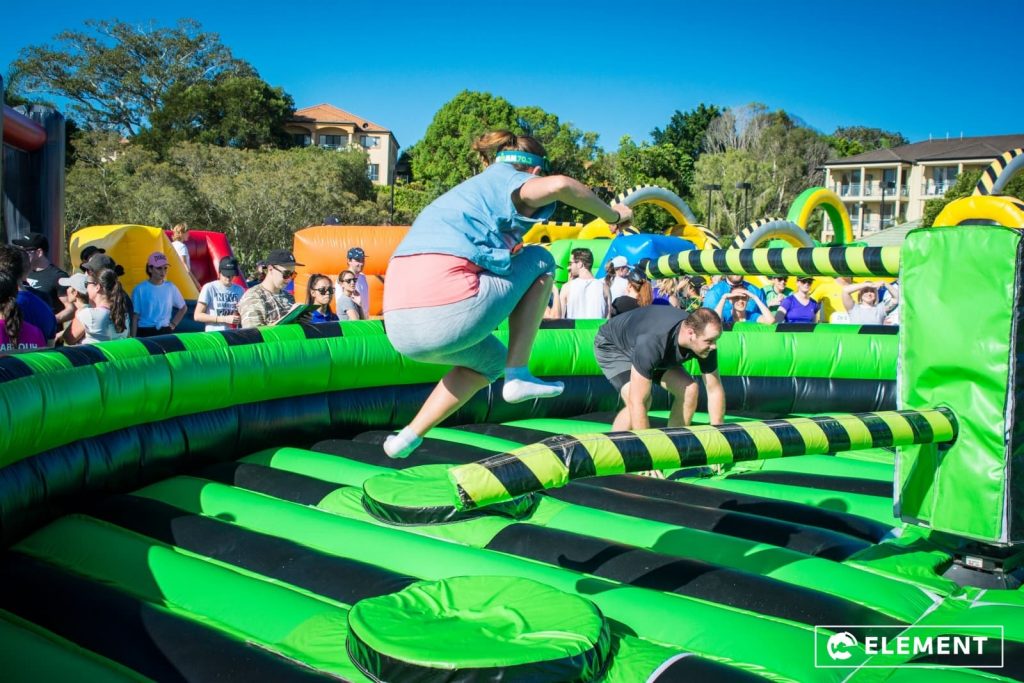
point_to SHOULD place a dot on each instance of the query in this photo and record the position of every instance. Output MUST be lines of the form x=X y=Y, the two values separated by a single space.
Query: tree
x=781 y=157
x=851 y=140
x=686 y=131
x=444 y=157
x=116 y=75
x=259 y=198
x=233 y=111
x=964 y=187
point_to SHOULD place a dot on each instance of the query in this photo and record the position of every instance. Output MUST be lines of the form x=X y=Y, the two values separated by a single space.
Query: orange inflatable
x=324 y=249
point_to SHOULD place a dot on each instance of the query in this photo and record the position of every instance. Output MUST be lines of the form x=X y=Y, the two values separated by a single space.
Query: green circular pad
x=425 y=495
x=478 y=628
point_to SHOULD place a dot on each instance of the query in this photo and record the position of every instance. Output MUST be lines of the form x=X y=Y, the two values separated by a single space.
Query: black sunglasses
x=288 y=274
x=323 y=290
x=349 y=280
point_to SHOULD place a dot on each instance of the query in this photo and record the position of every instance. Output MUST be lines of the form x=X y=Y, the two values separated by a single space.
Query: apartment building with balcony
x=886 y=187
x=329 y=127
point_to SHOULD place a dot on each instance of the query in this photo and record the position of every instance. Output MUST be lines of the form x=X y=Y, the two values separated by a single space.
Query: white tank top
x=585 y=299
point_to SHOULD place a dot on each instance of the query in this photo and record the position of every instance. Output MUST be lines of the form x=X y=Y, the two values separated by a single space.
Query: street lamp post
x=886 y=184
x=746 y=205
x=711 y=188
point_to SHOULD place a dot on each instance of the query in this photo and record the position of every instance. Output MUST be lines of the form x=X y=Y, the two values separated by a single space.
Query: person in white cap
x=618 y=269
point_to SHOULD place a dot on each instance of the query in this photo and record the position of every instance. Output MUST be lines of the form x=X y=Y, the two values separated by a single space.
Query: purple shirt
x=797 y=312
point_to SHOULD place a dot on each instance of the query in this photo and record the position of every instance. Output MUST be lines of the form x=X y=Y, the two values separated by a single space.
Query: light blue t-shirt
x=475 y=220
x=719 y=290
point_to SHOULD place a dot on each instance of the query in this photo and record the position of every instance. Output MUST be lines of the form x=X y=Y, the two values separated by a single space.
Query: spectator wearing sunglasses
x=217 y=306
x=349 y=300
x=158 y=304
x=361 y=296
x=467 y=248
x=638 y=293
x=318 y=294
x=268 y=302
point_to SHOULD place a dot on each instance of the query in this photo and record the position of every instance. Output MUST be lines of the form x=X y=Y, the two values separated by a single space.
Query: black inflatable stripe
x=295 y=488
x=690 y=450
x=838 y=437
x=747 y=260
x=162 y=345
x=688 y=668
x=635 y=455
x=521 y=435
x=82 y=355
x=640 y=567
x=873 y=261
x=147 y=638
x=322 y=331
x=795 y=536
x=758 y=506
x=12 y=367
x=789 y=436
x=561 y=324
x=805 y=259
x=740 y=442
x=920 y=426
x=881 y=432
x=515 y=476
x=837 y=259
x=571 y=452
x=867 y=487
x=879 y=329
x=795 y=327
x=673 y=262
x=347 y=581
x=775 y=260
x=720 y=259
x=249 y=335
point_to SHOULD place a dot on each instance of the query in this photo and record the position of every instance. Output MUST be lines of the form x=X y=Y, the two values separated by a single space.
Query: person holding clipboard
x=268 y=303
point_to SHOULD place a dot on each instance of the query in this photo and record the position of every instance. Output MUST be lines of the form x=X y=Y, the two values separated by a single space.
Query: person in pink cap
x=159 y=305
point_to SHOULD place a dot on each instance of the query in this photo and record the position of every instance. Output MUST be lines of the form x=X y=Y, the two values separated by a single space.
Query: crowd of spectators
x=42 y=305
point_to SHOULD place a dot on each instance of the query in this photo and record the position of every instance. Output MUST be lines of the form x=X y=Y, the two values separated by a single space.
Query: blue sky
x=921 y=68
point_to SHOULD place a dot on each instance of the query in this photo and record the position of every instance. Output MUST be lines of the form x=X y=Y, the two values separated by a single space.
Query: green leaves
x=259 y=198
x=117 y=75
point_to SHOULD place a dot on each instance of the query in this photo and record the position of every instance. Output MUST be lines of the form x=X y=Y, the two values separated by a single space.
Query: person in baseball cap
x=43 y=275
x=217 y=305
x=356 y=263
x=159 y=305
x=269 y=301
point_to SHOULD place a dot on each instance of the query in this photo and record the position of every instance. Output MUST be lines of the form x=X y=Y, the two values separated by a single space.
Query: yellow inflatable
x=982 y=210
x=130 y=246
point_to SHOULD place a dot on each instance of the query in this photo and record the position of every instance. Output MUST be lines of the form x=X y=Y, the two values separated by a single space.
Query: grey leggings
x=461 y=333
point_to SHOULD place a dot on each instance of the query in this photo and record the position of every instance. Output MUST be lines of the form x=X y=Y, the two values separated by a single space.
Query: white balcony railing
x=931 y=188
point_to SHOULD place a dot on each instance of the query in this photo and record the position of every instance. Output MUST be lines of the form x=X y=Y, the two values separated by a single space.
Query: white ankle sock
x=403 y=443
x=521 y=386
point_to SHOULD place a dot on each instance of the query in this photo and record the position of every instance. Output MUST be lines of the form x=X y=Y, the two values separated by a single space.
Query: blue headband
x=511 y=156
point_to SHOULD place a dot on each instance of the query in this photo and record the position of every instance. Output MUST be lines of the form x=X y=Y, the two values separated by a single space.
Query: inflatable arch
x=983 y=210
x=814 y=197
x=766 y=229
x=1000 y=171
x=696 y=233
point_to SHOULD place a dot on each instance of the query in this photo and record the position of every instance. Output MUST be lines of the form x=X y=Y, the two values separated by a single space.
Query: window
x=333 y=141
x=369 y=141
x=302 y=139
x=373 y=171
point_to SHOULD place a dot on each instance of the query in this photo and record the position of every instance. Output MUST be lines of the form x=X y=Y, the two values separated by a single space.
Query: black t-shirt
x=622 y=304
x=649 y=335
x=44 y=283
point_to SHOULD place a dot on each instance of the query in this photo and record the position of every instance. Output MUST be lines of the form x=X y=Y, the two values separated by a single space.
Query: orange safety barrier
x=324 y=249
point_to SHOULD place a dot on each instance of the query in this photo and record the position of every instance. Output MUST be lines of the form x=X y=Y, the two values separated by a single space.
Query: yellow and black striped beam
x=824 y=261
x=991 y=175
x=556 y=461
x=749 y=230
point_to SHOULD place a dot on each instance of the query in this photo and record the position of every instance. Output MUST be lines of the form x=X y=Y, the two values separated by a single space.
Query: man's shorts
x=616 y=364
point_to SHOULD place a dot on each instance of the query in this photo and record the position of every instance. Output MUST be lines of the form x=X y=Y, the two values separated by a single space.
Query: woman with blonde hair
x=462 y=269
x=179 y=237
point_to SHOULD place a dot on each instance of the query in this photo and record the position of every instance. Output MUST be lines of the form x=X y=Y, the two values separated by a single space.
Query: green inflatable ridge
x=479 y=628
